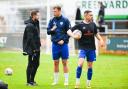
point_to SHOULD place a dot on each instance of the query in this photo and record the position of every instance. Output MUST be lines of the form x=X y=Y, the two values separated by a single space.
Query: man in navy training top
x=86 y=45
x=57 y=28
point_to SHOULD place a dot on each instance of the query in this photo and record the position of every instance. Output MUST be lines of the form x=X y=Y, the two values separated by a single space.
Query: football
x=77 y=33
x=8 y=71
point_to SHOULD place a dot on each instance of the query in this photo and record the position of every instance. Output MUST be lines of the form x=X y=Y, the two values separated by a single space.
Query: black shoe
x=34 y=83
x=31 y=84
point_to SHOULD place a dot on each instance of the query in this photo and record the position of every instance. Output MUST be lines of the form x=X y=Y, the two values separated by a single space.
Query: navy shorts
x=60 y=51
x=89 y=54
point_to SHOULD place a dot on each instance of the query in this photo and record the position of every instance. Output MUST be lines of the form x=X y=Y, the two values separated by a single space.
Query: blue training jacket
x=60 y=33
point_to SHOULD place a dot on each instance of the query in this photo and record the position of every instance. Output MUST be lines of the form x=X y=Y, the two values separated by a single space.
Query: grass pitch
x=109 y=72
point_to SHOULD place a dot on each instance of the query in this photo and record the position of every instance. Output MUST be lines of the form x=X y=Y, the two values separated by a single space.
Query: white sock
x=56 y=76
x=77 y=80
x=88 y=82
x=66 y=77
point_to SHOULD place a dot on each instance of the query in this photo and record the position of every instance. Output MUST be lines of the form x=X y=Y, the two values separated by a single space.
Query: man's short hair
x=87 y=11
x=34 y=12
x=57 y=7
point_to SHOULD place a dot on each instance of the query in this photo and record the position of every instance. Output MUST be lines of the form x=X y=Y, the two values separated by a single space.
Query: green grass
x=110 y=72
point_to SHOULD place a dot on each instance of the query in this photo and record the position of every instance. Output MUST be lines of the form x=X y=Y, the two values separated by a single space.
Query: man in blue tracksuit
x=57 y=28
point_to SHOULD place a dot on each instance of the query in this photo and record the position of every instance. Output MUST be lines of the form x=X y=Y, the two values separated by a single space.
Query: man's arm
x=100 y=39
x=51 y=29
x=70 y=33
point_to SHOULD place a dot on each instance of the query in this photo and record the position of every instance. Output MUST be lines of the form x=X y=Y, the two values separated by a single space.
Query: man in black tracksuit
x=31 y=46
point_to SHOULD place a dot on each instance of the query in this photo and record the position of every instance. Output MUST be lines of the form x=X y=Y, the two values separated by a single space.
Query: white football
x=78 y=33
x=8 y=71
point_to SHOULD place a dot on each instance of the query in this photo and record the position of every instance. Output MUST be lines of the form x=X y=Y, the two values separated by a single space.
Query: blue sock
x=89 y=74
x=78 y=72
